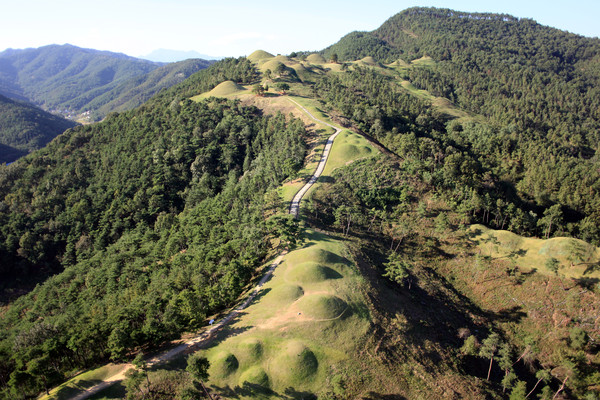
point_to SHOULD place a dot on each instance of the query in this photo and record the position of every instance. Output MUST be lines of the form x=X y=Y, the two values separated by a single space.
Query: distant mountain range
x=166 y=55
x=69 y=80
x=79 y=84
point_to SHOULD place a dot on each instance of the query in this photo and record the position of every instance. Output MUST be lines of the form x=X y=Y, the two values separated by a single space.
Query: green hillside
x=136 y=91
x=24 y=128
x=67 y=77
x=521 y=79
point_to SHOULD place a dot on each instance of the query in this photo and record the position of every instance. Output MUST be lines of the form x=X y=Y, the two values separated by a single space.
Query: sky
x=238 y=27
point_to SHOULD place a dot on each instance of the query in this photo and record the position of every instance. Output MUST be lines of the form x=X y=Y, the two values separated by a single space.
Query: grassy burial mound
x=259 y=55
x=226 y=88
x=223 y=364
x=298 y=331
x=255 y=376
x=309 y=272
x=282 y=59
x=272 y=65
x=316 y=59
x=223 y=89
x=295 y=364
x=369 y=61
x=575 y=257
x=322 y=306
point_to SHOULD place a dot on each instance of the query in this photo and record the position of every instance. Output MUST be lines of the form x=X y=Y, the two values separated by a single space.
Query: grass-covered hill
x=72 y=80
x=24 y=128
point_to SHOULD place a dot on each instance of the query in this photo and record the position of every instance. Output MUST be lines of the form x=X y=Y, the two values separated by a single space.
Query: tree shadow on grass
x=587 y=283
x=379 y=396
x=513 y=314
x=74 y=389
x=254 y=390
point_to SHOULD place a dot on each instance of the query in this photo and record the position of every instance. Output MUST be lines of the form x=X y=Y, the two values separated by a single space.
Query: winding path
x=295 y=204
x=207 y=335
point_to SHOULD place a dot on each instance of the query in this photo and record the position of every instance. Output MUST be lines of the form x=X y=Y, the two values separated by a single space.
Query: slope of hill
x=65 y=77
x=523 y=78
x=24 y=128
x=136 y=91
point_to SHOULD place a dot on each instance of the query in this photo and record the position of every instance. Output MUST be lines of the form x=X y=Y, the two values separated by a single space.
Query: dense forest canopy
x=157 y=214
x=24 y=128
x=538 y=89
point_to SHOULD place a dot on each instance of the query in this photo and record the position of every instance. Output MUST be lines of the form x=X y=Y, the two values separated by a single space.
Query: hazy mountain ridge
x=61 y=77
x=166 y=55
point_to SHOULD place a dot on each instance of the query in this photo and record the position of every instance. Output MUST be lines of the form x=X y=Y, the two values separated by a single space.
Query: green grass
x=316 y=59
x=295 y=364
x=322 y=306
x=83 y=381
x=310 y=271
x=255 y=376
x=259 y=55
x=289 y=190
x=298 y=329
x=425 y=60
x=348 y=147
x=271 y=64
x=223 y=89
x=533 y=253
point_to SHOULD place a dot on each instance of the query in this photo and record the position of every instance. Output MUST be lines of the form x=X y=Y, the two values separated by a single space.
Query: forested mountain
x=135 y=91
x=65 y=77
x=538 y=89
x=137 y=228
x=24 y=128
x=72 y=80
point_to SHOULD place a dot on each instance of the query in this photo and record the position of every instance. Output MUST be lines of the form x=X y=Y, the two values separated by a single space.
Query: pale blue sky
x=136 y=27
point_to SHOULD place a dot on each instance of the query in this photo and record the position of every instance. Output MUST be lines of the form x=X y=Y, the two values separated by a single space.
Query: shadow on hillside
x=73 y=390
x=262 y=293
x=378 y=396
x=226 y=332
x=513 y=314
x=255 y=390
x=587 y=283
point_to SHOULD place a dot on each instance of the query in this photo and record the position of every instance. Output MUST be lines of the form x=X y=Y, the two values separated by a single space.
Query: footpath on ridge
x=206 y=337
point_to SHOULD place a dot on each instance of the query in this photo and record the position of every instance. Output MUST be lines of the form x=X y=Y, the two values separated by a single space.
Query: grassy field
x=348 y=147
x=425 y=60
x=316 y=59
x=533 y=253
x=259 y=55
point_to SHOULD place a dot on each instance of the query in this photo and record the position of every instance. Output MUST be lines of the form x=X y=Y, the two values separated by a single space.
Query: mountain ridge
x=412 y=273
